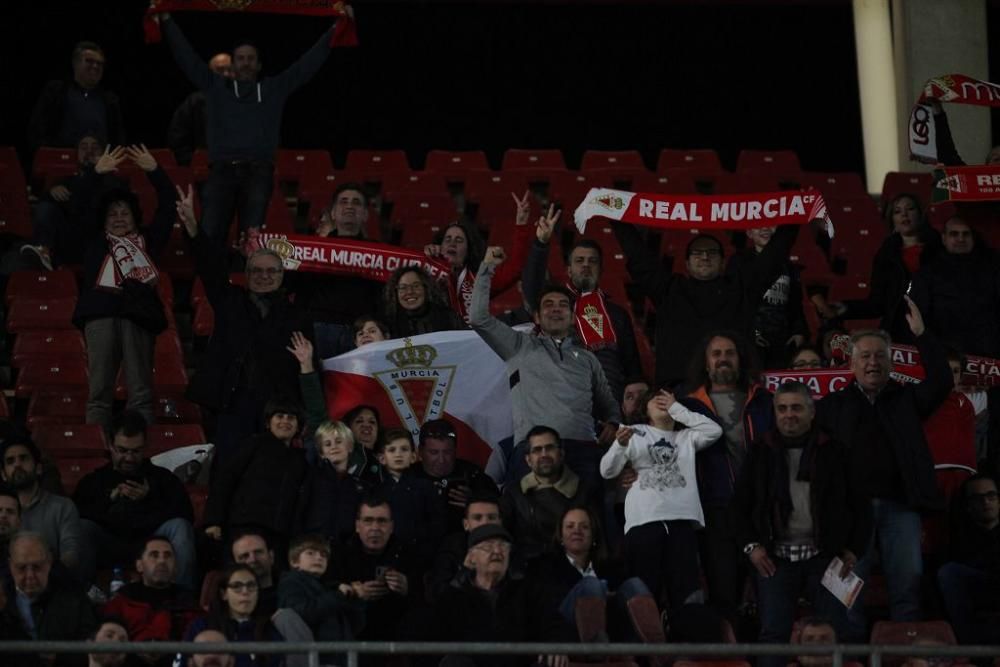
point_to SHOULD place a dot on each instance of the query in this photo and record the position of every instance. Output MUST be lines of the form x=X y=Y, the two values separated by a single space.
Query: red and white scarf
x=593 y=324
x=683 y=211
x=950 y=88
x=126 y=260
x=466 y=281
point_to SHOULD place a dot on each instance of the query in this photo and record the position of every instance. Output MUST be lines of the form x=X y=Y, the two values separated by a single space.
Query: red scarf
x=466 y=281
x=593 y=324
x=979 y=183
x=344 y=32
x=735 y=211
x=126 y=260
x=951 y=88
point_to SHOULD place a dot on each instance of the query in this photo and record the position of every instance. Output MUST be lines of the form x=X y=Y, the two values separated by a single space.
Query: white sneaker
x=41 y=252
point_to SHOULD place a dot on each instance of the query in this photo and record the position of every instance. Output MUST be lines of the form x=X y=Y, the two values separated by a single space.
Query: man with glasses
x=688 y=306
x=970 y=584
x=67 y=110
x=127 y=500
x=52 y=516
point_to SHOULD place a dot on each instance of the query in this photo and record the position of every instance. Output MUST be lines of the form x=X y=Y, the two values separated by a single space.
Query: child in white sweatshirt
x=662 y=509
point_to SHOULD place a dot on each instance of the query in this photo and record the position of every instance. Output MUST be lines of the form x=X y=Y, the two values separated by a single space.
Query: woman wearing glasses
x=415 y=305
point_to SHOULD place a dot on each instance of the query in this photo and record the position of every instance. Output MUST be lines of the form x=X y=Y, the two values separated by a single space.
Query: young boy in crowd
x=333 y=614
x=418 y=514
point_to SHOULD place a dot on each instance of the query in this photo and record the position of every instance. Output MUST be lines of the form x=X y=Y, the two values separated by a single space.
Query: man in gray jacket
x=553 y=381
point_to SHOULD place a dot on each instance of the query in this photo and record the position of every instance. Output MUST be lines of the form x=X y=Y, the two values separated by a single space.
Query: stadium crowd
x=690 y=505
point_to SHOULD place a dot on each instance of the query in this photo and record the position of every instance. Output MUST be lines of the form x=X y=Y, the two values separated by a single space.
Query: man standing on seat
x=243 y=126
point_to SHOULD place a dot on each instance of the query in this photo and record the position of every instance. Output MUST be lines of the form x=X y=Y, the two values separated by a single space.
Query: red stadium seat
x=916 y=184
x=843 y=184
x=15 y=212
x=421 y=233
x=508 y=300
x=45 y=314
x=498 y=212
x=423 y=182
x=618 y=166
x=454 y=166
x=568 y=188
x=479 y=184
x=783 y=162
x=408 y=208
x=57 y=406
x=545 y=159
x=47 y=346
x=278 y=218
x=54 y=374
x=176 y=259
x=292 y=164
x=704 y=160
x=164 y=437
x=371 y=164
x=41 y=285
x=70 y=437
x=48 y=159
x=75 y=464
x=198 y=496
x=199 y=165
x=676 y=182
x=750 y=181
x=203 y=322
x=169 y=377
x=164 y=157
x=903 y=632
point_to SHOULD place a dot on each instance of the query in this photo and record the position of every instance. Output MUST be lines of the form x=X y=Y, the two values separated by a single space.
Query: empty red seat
x=898 y=182
x=529 y=158
x=75 y=464
x=278 y=218
x=176 y=259
x=164 y=437
x=500 y=211
x=414 y=207
x=41 y=285
x=702 y=159
x=203 y=321
x=47 y=346
x=481 y=184
x=784 y=162
x=424 y=182
x=169 y=377
x=57 y=406
x=54 y=374
x=676 y=182
x=416 y=236
x=293 y=164
x=48 y=159
x=455 y=165
x=841 y=184
x=369 y=163
x=612 y=160
x=69 y=437
x=28 y=314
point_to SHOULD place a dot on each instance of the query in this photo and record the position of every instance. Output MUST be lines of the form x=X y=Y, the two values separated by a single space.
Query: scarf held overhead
x=344 y=33
x=683 y=211
x=950 y=88
x=979 y=183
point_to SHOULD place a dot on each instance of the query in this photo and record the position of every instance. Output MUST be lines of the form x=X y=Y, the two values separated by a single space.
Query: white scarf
x=126 y=260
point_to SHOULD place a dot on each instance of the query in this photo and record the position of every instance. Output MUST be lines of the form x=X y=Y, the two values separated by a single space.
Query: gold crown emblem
x=420 y=356
x=283 y=247
x=590 y=310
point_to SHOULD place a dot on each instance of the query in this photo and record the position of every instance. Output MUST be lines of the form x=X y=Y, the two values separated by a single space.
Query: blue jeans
x=967 y=593
x=242 y=187
x=896 y=535
x=778 y=596
x=103 y=548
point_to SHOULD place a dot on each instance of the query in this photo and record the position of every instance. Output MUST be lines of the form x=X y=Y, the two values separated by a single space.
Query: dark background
x=494 y=75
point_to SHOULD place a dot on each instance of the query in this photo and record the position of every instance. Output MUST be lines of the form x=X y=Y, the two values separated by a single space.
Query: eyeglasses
x=128 y=451
x=493 y=546
x=261 y=271
x=240 y=586
x=412 y=287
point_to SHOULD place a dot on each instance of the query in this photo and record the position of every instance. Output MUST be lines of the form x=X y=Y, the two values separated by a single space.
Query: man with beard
x=723 y=385
x=251 y=549
x=602 y=326
x=129 y=499
x=54 y=517
x=154 y=608
x=211 y=659
x=532 y=506
x=110 y=630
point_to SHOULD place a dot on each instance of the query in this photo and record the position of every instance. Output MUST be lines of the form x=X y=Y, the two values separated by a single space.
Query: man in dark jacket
x=879 y=421
x=188 y=127
x=46 y=609
x=602 y=326
x=244 y=126
x=247 y=361
x=794 y=511
x=66 y=110
x=532 y=506
x=129 y=499
x=723 y=385
x=703 y=300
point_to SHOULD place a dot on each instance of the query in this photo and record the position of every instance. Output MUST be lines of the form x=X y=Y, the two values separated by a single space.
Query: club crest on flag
x=417 y=389
x=952 y=183
x=286 y=251
x=609 y=201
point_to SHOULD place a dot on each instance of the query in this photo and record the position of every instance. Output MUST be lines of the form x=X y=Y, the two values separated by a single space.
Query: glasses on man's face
x=241 y=586
x=411 y=287
x=264 y=271
x=128 y=451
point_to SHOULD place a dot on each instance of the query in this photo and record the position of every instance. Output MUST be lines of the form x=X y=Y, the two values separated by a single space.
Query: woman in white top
x=662 y=508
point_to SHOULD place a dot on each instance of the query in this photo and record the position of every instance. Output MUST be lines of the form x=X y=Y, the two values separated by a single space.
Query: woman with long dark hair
x=415 y=304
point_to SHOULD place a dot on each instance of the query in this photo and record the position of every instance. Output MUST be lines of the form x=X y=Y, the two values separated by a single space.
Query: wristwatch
x=748 y=549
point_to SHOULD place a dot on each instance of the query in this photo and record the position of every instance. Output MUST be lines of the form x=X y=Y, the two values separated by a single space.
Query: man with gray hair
x=45 y=608
x=246 y=362
x=794 y=511
x=879 y=421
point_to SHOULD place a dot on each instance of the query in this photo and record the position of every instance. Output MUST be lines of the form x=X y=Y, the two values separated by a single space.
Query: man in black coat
x=129 y=499
x=794 y=511
x=705 y=299
x=879 y=420
x=247 y=361
x=67 y=110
